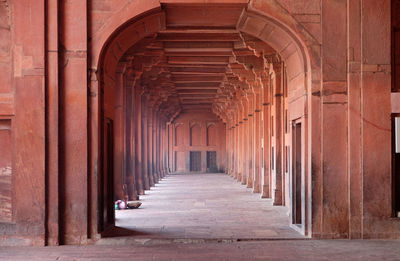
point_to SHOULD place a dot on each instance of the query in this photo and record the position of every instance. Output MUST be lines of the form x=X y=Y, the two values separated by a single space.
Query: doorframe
x=300 y=227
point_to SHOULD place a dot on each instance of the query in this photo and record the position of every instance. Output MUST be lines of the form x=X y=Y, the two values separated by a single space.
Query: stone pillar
x=258 y=144
x=52 y=123
x=165 y=149
x=279 y=135
x=170 y=148
x=150 y=144
x=154 y=146
x=173 y=142
x=250 y=115
x=334 y=124
x=146 y=177
x=73 y=99
x=238 y=157
x=266 y=186
x=159 y=147
x=241 y=152
x=119 y=148
x=376 y=123
x=354 y=112
x=138 y=141
x=162 y=150
x=229 y=148
x=245 y=140
x=131 y=144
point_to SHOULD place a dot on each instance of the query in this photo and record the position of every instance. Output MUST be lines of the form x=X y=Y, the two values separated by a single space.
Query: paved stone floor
x=185 y=217
x=256 y=250
x=205 y=206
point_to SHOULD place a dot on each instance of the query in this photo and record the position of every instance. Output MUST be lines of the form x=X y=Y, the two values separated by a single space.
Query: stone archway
x=290 y=50
x=68 y=63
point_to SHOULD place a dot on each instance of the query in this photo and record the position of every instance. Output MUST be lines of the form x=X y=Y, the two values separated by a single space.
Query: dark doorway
x=296 y=175
x=212 y=162
x=396 y=164
x=195 y=161
x=106 y=184
x=396 y=89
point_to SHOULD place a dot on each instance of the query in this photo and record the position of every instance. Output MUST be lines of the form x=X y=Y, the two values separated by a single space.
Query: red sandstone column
x=158 y=150
x=52 y=119
x=146 y=177
x=239 y=142
x=231 y=148
x=266 y=138
x=245 y=140
x=228 y=147
x=234 y=147
x=250 y=153
x=119 y=147
x=138 y=139
x=173 y=142
x=279 y=135
x=150 y=143
x=161 y=146
x=238 y=175
x=375 y=93
x=354 y=127
x=150 y=150
x=165 y=148
x=332 y=210
x=154 y=147
x=170 y=148
x=258 y=150
x=258 y=140
x=240 y=147
x=162 y=172
x=73 y=155
x=166 y=137
x=130 y=143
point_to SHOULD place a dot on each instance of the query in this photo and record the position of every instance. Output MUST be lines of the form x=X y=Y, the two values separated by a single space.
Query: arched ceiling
x=199 y=62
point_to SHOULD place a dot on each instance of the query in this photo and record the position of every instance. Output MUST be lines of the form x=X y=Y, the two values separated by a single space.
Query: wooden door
x=212 y=162
x=195 y=161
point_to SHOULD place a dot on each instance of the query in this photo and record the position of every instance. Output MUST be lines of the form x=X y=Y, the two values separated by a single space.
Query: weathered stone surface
x=100 y=100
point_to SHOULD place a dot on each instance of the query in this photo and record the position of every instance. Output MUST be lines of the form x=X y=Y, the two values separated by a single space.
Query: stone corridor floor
x=308 y=250
x=185 y=216
x=205 y=206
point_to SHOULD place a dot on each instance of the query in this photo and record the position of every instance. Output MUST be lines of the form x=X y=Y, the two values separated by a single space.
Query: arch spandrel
x=127 y=37
x=131 y=11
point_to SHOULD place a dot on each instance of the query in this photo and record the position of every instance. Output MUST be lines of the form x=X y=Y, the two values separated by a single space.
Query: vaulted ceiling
x=200 y=62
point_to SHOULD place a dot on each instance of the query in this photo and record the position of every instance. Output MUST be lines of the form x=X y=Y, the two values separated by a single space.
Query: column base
x=265 y=192
x=277 y=198
x=140 y=192
x=256 y=189
x=249 y=183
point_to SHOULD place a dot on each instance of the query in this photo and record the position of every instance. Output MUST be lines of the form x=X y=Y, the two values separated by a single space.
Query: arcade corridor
x=272 y=124
x=205 y=206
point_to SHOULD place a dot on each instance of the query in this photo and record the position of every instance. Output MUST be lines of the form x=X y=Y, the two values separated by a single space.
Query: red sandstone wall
x=344 y=103
x=197 y=131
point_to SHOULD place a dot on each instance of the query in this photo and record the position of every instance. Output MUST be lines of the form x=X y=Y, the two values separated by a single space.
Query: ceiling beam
x=199 y=35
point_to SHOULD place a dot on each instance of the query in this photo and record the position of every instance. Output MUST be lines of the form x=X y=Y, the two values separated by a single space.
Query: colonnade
x=257 y=128
x=141 y=136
